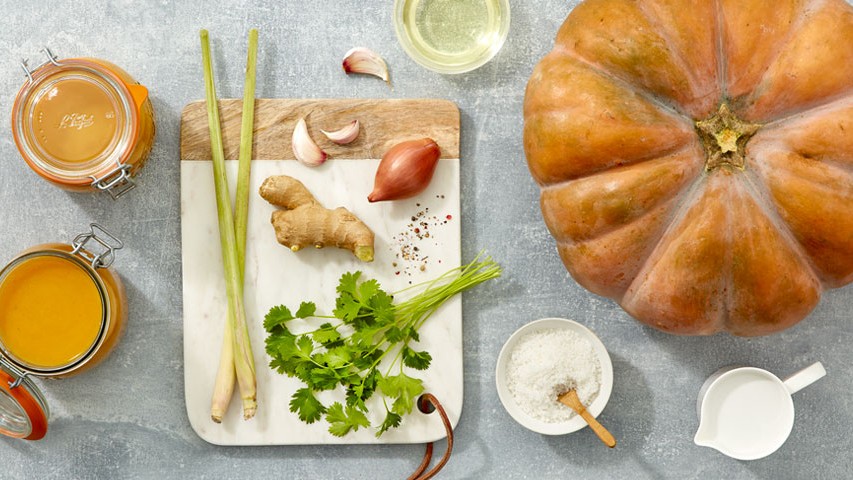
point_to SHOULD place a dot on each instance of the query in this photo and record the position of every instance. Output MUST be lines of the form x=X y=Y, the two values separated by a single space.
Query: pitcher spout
x=703 y=437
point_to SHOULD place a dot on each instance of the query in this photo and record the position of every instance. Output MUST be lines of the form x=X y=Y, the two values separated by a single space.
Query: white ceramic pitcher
x=747 y=412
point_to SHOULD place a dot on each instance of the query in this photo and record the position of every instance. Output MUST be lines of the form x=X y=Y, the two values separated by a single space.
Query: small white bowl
x=575 y=423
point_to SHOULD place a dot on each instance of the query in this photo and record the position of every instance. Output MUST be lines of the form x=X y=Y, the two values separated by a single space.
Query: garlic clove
x=304 y=148
x=364 y=60
x=344 y=135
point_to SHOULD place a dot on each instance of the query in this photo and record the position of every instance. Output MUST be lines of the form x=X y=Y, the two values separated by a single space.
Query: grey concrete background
x=126 y=419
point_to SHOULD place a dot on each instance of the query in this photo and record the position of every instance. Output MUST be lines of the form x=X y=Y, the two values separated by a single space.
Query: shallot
x=405 y=170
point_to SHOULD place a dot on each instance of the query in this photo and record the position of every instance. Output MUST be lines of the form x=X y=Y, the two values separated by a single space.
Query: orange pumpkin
x=696 y=157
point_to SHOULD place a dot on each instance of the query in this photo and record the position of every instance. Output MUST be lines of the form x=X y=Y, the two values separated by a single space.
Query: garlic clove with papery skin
x=304 y=148
x=364 y=60
x=344 y=135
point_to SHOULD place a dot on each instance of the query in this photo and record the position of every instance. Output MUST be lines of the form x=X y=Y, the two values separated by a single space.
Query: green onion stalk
x=236 y=359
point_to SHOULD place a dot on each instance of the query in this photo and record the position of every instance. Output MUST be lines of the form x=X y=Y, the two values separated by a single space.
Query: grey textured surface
x=126 y=419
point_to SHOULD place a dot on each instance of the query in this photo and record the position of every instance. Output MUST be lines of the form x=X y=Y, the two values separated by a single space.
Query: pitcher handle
x=804 y=377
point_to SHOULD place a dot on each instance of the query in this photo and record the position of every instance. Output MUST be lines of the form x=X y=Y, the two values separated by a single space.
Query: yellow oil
x=454 y=32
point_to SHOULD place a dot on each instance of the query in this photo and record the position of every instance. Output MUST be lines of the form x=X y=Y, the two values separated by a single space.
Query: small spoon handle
x=599 y=429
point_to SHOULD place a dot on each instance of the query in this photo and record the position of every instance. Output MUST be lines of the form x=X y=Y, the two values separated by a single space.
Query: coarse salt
x=545 y=363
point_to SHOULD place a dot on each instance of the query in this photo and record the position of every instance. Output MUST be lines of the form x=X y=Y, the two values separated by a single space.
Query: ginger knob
x=303 y=221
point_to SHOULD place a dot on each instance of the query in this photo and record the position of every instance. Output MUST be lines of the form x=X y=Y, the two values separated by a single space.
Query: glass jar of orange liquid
x=83 y=124
x=62 y=310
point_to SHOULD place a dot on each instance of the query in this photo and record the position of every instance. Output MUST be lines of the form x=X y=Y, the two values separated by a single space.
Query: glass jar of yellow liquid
x=62 y=311
x=451 y=36
x=83 y=124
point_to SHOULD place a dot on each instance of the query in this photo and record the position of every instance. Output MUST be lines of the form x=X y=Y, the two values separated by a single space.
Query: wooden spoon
x=570 y=399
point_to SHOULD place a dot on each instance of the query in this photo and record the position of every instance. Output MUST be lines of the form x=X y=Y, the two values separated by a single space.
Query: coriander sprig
x=366 y=327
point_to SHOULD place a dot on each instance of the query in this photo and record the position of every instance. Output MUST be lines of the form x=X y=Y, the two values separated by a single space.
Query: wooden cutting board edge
x=384 y=123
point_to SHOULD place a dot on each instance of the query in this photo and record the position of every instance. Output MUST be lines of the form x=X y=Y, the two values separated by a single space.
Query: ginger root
x=305 y=222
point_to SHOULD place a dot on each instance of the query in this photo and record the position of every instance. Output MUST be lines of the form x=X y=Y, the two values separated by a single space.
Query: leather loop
x=430 y=401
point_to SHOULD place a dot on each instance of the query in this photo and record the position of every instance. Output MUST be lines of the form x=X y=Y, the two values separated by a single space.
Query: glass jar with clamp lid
x=83 y=124
x=62 y=311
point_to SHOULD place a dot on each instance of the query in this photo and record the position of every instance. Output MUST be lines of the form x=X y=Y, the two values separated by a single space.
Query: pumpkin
x=695 y=157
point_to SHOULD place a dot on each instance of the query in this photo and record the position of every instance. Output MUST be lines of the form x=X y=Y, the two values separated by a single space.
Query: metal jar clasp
x=109 y=243
x=116 y=182
x=51 y=58
x=17 y=374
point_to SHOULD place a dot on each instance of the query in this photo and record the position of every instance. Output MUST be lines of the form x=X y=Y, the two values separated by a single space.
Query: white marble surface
x=275 y=275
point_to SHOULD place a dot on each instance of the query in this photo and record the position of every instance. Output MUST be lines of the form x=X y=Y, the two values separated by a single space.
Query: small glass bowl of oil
x=451 y=36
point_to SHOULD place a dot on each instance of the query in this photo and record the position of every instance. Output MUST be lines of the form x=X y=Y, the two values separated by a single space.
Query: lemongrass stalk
x=241 y=202
x=224 y=386
x=244 y=363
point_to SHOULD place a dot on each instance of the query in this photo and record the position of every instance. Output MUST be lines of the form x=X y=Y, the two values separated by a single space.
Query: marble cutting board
x=275 y=275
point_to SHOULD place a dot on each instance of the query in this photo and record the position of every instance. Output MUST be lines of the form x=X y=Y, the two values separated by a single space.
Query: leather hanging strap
x=427 y=403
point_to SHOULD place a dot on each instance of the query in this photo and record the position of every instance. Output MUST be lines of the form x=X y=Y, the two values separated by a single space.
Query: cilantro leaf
x=286 y=365
x=404 y=388
x=290 y=355
x=367 y=360
x=382 y=305
x=338 y=425
x=336 y=357
x=303 y=370
x=412 y=334
x=347 y=308
x=354 y=400
x=305 y=404
x=394 y=335
x=367 y=290
x=277 y=317
x=359 y=393
x=403 y=405
x=304 y=346
x=323 y=378
x=286 y=357
x=278 y=345
x=281 y=366
x=306 y=309
x=343 y=421
x=326 y=335
x=337 y=343
x=416 y=360
x=365 y=338
x=392 y=420
x=347 y=283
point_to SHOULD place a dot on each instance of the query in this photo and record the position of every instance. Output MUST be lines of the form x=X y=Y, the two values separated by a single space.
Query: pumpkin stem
x=724 y=137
